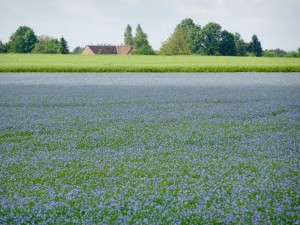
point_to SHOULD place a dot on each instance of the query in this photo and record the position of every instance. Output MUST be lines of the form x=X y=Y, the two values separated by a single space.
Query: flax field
x=184 y=148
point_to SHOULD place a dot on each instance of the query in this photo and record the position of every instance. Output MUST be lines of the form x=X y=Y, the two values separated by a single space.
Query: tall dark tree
x=64 y=48
x=140 y=38
x=22 y=41
x=227 y=44
x=240 y=45
x=128 y=38
x=3 y=48
x=210 y=39
x=255 y=46
x=141 y=43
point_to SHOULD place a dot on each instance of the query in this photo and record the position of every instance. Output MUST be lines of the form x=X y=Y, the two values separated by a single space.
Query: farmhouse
x=107 y=49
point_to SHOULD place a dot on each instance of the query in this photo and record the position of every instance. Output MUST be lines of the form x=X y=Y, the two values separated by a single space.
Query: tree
x=141 y=43
x=185 y=39
x=255 y=46
x=194 y=39
x=280 y=52
x=64 y=48
x=210 y=38
x=275 y=53
x=187 y=23
x=177 y=43
x=292 y=54
x=3 y=48
x=193 y=33
x=140 y=38
x=269 y=53
x=47 y=45
x=22 y=41
x=227 y=44
x=77 y=50
x=240 y=45
x=298 y=50
x=144 y=50
x=128 y=38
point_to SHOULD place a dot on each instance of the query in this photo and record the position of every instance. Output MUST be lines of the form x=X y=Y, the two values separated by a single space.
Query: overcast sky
x=83 y=22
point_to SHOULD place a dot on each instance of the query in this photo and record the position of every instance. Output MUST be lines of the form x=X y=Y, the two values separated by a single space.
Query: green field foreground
x=132 y=63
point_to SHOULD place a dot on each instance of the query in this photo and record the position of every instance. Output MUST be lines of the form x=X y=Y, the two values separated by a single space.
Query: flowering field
x=150 y=148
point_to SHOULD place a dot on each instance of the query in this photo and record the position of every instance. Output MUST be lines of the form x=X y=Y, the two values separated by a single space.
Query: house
x=107 y=49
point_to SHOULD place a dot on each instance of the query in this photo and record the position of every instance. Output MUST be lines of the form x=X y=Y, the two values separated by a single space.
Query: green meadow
x=134 y=63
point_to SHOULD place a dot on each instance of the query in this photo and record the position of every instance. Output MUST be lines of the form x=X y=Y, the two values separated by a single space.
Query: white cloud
x=132 y=2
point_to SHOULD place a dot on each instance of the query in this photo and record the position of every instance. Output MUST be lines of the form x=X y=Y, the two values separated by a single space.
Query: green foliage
x=140 y=38
x=22 y=41
x=77 y=50
x=194 y=39
x=189 y=38
x=128 y=38
x=210 y=38
x=293 y=54
x=50 y=45
x=227 y=44
x=177 y=44
x=250 y=54
x=64 y=48
x=255 y=46
x=144 y=50
x=185 y=39
x=275 y=53
x=140 y=42
x=193 y=33
x=187 y=23
x=47 y=45
x=280 y=53
x=240 y=45
x=3 y=48
x=269 y=53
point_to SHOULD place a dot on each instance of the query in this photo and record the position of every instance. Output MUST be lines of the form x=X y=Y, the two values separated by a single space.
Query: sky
x=85 y=22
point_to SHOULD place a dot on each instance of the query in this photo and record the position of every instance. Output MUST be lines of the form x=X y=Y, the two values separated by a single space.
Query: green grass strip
x=131 y=63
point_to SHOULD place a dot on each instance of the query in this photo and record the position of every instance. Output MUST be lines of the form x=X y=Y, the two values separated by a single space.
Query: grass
x=115 y=63
x=101 y=152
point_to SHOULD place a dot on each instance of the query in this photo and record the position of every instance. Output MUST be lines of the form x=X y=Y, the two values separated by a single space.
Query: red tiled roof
x=124 y=49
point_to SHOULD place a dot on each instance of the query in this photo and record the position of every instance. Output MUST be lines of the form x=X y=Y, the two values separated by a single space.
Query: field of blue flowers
x=150 y=148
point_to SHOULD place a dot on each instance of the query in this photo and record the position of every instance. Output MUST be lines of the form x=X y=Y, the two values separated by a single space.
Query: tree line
x=188 y=38
x=24 y=40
